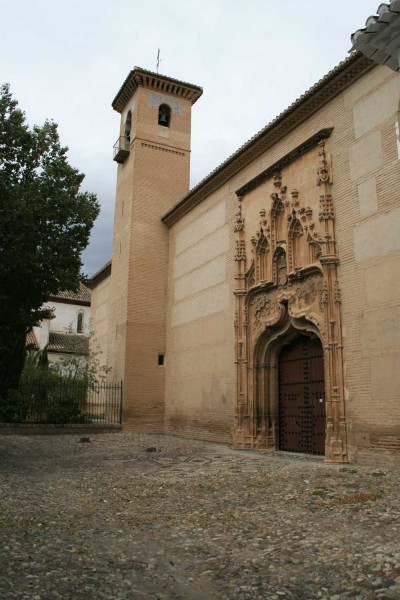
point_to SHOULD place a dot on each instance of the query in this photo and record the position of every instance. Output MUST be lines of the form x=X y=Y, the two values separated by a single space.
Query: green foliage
x=45 y=396
x=52 y=401
x=45 y=223
x=79 y=365
x=55 y=392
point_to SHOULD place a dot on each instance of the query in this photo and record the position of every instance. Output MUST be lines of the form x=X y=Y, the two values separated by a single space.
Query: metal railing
x=65 y=402
x=121 y=149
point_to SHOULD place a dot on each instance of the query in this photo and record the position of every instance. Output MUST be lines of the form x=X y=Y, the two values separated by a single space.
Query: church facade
x=262 y=306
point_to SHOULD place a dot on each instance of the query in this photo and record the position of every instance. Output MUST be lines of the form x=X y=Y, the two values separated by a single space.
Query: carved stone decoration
x=323 y=174
x=290 y=290
x=326 y=207
x=240 y=253
x=275 y=197
x=297 y=229
x=323 y=295
x=295 y=198
x=307 y=292
x=239 y=221
x=280 y=267
x=337 y=294
x=262 y=309
x=303 y=292
x=262 y=305
x=262 y=245
x=277 y=178
x=265 y=310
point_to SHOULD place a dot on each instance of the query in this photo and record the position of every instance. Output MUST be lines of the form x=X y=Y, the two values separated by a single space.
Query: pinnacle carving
x=239 y=220
x=277 y=178
x=337 y=292
x=240 y=252
x=326 y=207
x=295 y=198
x=323 y=174
x=323 y=295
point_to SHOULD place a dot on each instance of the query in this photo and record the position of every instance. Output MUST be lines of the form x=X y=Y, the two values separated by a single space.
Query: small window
x=161 y=360
x=164 y=115
x=79 y=325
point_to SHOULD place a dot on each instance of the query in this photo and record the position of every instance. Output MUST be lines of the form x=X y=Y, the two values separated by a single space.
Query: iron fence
x=65 y=402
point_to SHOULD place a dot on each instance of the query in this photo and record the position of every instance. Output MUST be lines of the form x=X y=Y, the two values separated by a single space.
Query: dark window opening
x=161 y=360
x=79 y=325
x=128 y=125
x=164 y=115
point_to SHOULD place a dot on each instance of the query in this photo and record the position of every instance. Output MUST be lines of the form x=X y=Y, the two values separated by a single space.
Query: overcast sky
x=66 y=60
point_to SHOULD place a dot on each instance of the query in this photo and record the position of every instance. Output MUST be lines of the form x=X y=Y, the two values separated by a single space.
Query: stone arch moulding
x=272 y=311
x=264 y=373
x=274 y=320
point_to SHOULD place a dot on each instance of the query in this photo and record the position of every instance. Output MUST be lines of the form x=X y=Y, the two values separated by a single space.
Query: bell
x=164 y=115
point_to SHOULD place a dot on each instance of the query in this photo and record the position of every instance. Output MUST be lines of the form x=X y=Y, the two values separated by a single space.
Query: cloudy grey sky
x=66 y=60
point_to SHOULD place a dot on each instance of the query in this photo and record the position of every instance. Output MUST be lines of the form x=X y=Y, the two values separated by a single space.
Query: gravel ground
x=136 y=517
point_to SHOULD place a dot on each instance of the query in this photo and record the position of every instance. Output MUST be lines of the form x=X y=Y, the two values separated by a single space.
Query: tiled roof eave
x=68 y=343
x=75 y=301
x=82 y=296
x=161 y=83
x=57 y=350
x=379 y=40
x=310 y=102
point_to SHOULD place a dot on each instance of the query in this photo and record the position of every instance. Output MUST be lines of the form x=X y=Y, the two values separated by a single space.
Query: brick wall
x=154 y=176
x=366 y=178
x=171 y=291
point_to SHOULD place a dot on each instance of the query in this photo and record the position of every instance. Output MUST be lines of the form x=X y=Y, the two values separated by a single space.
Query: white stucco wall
x=65 y=320
x=66 y=316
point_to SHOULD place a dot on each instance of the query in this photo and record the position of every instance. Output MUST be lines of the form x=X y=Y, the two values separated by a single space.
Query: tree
x=45 y=223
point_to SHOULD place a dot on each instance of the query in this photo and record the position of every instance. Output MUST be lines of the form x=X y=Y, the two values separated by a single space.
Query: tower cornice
x=154 y=81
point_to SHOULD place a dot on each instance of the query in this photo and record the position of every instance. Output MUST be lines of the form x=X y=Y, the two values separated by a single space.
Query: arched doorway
x=301 y=388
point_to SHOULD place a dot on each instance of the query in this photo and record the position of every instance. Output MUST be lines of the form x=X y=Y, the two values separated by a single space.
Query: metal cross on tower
x=158 y=59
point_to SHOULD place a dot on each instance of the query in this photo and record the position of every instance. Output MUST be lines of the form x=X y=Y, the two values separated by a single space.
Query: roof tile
x=83 y=294
x=68 y=343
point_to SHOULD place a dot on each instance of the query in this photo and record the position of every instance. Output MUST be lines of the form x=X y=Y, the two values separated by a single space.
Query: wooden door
x=302 y=397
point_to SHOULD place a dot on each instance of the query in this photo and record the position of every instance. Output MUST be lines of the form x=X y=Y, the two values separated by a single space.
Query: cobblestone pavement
x=138 y=517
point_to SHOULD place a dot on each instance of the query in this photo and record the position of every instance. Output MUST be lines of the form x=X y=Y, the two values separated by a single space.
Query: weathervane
x=158 y=59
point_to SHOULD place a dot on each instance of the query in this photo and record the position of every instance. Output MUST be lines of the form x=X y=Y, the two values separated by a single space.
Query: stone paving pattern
x=136 y=517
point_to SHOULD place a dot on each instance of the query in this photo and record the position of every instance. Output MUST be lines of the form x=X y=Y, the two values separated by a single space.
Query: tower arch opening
x=128 y=126
x=164 y=115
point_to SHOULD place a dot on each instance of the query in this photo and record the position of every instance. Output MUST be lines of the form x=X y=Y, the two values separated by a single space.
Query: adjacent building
x=65 y=330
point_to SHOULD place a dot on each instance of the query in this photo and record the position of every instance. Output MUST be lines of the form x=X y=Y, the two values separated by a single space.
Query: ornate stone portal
x=286 y=288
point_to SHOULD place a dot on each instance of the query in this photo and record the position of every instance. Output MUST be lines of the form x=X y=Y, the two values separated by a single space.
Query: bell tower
x=153 y=156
